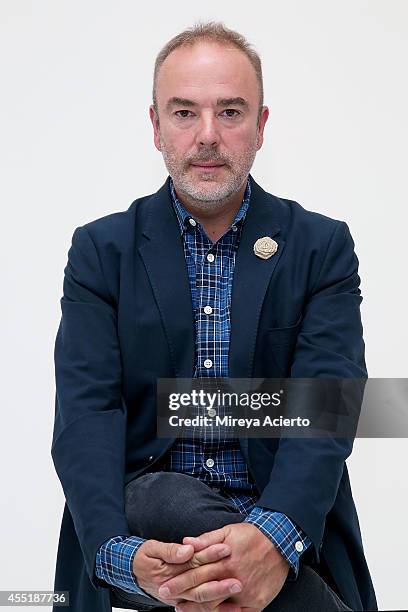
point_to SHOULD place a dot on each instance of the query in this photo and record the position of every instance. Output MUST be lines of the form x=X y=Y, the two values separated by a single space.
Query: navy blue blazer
x=127 y=319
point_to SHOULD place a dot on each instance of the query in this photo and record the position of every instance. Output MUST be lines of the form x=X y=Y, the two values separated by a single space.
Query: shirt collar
x=183 y=215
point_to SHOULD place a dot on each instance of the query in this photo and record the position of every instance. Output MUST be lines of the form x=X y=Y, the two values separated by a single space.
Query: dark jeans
x=167 y=506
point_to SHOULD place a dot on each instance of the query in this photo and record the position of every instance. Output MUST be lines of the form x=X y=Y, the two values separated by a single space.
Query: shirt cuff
x=289 y=539
x=114 y=563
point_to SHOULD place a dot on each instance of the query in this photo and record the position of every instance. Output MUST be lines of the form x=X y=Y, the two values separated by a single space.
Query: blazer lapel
x=163 y=256
x=252 y=276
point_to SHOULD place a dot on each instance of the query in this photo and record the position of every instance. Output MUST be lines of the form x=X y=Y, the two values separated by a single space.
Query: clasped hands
x=201 y=574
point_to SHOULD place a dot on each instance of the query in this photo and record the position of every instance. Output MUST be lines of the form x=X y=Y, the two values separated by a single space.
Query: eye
x=181 y=111
x=227 y=110
x=233 y=110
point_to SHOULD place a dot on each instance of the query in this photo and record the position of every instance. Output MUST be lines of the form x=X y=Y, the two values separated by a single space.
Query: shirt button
x=299 y=546
x=207 y=309
x=207 y=363
x=209 y=462
x=192 y=222
x=151 y=457
x=211 y=412
x=234 y=228
x=210 y=257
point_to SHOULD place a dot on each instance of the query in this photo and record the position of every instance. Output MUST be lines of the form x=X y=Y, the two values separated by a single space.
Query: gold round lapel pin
x=265 y=247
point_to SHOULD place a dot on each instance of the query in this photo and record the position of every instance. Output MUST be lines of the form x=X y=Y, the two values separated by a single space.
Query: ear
x=263 y=119
x=154 y=118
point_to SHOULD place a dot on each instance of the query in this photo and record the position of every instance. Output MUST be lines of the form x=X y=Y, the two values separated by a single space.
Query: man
x=181 y=285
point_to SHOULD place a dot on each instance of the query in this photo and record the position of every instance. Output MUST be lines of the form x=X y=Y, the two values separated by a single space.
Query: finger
x=210 y=554
x=177 y=584
x=229 y=607
x=194 y=542
x=206 y=592
x=169 y=552
x=199 y=544
x=189 y=606
x=219 y=605
x=206 y=539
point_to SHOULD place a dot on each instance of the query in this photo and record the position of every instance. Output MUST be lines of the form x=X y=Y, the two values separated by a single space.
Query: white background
x=76 y=144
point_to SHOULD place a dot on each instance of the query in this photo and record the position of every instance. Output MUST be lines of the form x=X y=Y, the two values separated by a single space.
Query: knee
x=159 y=500
x=159 y=488
x=167 y=506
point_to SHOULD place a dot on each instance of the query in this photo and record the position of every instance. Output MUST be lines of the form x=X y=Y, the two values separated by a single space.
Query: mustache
x=211 y=158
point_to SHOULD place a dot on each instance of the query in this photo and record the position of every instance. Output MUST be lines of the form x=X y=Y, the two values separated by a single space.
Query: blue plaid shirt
x=217 y=460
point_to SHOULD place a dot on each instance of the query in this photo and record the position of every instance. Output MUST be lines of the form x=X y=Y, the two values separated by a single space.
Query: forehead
x=206 y=68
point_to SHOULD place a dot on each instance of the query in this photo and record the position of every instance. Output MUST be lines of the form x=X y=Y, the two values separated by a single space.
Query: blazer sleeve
x=88 y=444
x=306 y=472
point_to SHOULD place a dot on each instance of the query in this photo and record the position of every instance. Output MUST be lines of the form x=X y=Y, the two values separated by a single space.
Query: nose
x=207 y=131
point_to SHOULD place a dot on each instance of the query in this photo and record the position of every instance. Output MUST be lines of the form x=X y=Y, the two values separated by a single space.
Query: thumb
x=206 y=539
x=170 y=552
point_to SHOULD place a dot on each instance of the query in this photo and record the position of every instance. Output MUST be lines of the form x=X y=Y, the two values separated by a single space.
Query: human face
x=208 y=103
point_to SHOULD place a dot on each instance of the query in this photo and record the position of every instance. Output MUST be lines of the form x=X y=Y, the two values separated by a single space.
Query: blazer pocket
x=280 y=336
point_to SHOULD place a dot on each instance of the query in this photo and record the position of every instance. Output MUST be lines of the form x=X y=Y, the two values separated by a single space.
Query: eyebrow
x=175 y=101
